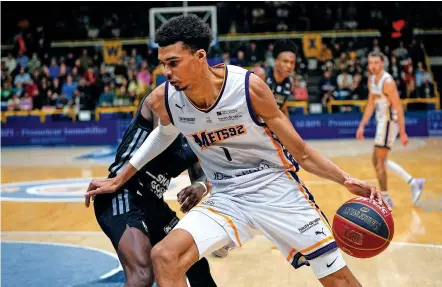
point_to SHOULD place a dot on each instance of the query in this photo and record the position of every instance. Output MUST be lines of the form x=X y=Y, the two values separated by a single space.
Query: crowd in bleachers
x=84 y=82
x=79 y=81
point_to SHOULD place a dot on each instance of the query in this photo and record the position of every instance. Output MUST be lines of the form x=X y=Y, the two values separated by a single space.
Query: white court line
x=104 y=276
x=99 y=233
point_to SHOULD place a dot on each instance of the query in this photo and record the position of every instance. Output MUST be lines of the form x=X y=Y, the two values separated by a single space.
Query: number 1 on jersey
x=227 y=153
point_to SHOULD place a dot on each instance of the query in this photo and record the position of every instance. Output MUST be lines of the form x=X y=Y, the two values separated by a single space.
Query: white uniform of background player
x=387 y=128
x=386 y=106
x=254 y=182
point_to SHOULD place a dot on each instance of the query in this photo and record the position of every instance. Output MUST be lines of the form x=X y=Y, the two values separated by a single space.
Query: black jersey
x=282 y=91
x=156 y=174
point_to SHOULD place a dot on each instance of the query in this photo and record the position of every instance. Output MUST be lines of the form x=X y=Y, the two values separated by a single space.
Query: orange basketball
x=362 y=228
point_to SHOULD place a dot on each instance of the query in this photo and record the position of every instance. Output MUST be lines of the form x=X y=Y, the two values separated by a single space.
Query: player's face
x=375 y=65
x=181 y=67
x=285 y=63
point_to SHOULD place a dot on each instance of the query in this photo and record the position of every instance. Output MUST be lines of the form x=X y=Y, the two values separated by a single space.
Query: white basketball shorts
x=284 y=211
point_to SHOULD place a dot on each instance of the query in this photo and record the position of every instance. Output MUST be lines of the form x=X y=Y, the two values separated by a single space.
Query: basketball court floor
x=50 y=239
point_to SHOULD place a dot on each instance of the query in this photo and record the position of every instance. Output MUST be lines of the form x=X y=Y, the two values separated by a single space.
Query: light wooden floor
x=413 y=259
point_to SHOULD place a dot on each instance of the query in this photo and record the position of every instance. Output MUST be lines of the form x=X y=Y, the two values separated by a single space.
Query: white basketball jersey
x=235 y=149
x=383 y=109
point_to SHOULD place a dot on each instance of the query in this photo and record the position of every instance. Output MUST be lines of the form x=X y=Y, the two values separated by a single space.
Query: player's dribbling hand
x=99 y=186
x=190 y=196
x=360 y=133
x=365 y=189
x=404 y=139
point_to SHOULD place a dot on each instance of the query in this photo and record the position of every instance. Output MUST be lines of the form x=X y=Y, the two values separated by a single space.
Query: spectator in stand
x=131 y=81
x=268 y=56
x=26 y=102
x=327 y=87
x=70 y=60
x=345 y=84
x=358 y=92
x=144 y=75
x=124 y=58
x=54 y=68
x=10 y=63
x=63 y=73
x=226 y=58
x=69 y=87
x=45 y=73
x=253 y=56
x=18 y=89
x=138 y=59
x=342 y=61
x=240 y=61
x=106 y=98
x=75 y=75
x=50 y=100
x=22 y=77
x=14 y=103
x=6 y=94
x=85 y=60
x=299 y=91
x=409 y=80
x=63 y=102
x=4 y=71
x=31 y=88
x=90 y=77
x=122 y=97
x=22 y=60
x=56 y=88
x=400 y=52
x=424 y=82
x=325 y=54
x=423 y=77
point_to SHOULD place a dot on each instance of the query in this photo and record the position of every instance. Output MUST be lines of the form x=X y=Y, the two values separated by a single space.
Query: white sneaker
x=222 y=252
x=416 y=189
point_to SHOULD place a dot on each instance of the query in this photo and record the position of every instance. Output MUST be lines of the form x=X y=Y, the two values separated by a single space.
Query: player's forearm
x=124 y=176
x=196 y=173
x=313 y=162
x=400 y=118
x=307 y=157
x=368 y=113
x=158 y=140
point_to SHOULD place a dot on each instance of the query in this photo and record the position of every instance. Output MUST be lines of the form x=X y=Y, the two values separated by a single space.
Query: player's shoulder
x=236 y=70
x=156 y=96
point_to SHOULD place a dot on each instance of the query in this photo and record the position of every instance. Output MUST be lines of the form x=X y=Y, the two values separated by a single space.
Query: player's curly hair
x=284 y=45
x=190 y=29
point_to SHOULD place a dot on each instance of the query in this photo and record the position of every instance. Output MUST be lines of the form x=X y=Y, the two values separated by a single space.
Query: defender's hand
x=99 y=186
x=190 y=196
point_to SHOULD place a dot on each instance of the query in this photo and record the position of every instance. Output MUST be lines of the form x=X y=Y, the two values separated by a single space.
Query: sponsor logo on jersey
x=159 y=184
x=309 y=225
x=185 y=120
x=228 y=115
x=206 y=139
x=168 y=228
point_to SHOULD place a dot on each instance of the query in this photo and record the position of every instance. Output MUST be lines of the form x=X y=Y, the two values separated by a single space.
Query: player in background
x=279 y=78
x=383 y=99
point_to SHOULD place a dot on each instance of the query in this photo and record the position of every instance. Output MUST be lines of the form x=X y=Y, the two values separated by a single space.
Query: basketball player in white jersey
x=384 y=99
x=250 y=153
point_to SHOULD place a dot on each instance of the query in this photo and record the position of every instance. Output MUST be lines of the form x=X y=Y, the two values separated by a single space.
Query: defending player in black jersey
x=279 y=79
x=136 y=217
